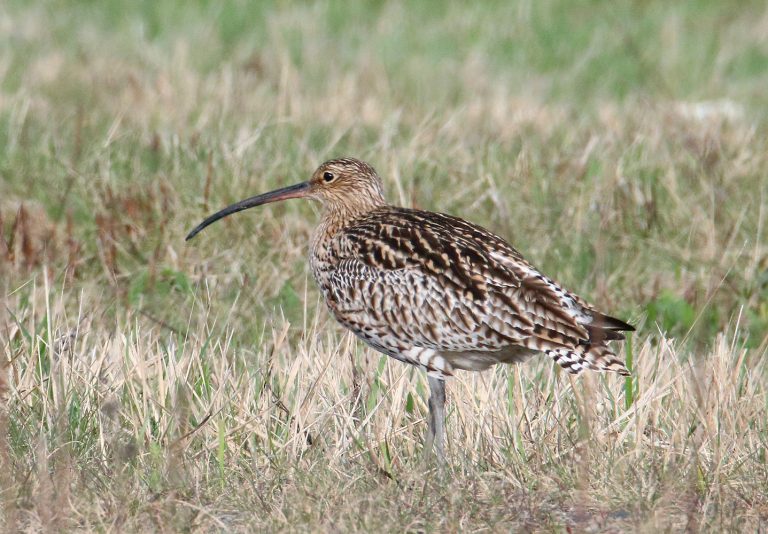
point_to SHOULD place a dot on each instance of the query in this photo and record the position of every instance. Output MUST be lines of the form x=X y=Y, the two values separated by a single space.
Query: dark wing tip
x=612 y=323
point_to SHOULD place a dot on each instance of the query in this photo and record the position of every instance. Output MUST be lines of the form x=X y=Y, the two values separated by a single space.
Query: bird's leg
x=436 y=433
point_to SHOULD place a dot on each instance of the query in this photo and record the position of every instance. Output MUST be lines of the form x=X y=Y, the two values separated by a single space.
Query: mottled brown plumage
x=436 y=291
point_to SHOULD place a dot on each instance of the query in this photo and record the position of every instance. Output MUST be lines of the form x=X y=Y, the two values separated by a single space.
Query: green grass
x=151 y=384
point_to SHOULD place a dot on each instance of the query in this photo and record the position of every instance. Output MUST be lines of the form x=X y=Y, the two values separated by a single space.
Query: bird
x=436 y=291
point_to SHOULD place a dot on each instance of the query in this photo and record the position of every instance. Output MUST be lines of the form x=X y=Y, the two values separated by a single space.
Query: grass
x=149 y=384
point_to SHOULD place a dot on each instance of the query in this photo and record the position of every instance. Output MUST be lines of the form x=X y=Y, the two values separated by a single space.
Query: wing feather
x=432 y=280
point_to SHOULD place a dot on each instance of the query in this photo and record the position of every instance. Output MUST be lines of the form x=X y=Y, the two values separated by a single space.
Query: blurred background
x=620 y=146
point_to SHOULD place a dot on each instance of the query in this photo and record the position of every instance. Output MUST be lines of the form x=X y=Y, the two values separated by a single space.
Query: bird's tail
x=593 y=357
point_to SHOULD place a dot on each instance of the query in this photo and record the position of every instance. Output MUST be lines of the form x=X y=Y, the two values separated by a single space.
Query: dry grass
x=145 y=428
x=147 y=384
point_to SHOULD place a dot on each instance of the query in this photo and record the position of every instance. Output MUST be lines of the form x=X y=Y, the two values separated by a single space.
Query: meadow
x=153 y=385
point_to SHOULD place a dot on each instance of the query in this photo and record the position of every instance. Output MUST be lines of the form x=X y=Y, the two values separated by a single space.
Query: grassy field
x=147 y=384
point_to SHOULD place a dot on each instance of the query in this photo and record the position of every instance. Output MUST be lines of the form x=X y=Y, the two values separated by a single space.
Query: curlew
x=436 y=291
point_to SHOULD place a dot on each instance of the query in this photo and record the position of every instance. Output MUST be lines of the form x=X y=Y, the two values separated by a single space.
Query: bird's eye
x=328 y=176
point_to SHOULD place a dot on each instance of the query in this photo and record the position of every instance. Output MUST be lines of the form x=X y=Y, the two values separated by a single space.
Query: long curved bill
x=292 y=191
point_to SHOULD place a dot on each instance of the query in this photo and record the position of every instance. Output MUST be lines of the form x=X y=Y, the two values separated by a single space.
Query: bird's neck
x=333 y=221
x=336 y=218
x=339 y=213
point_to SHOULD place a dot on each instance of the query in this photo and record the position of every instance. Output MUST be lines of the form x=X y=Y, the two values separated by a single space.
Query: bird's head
x=344 y=185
